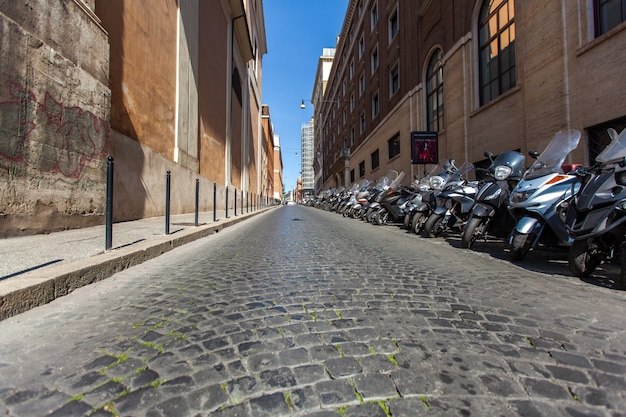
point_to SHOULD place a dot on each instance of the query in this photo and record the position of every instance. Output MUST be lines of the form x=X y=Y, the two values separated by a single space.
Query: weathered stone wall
x=54 y=116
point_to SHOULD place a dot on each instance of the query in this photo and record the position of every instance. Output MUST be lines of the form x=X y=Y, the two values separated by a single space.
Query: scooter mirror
x=489 y=155
x=533 y=154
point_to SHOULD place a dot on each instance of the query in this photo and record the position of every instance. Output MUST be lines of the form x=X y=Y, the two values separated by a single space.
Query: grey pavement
x=36 y=269
x=300 y=312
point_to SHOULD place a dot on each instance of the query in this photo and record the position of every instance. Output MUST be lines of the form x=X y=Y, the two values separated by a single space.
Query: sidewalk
x=37 y=269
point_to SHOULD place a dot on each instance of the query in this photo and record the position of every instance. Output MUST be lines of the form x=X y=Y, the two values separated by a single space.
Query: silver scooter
x=539 y=201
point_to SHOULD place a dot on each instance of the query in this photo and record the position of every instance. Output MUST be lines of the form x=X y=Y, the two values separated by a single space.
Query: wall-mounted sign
x=424 y=147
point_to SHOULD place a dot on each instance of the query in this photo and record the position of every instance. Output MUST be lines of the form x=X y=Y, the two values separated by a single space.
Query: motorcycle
x=489 y=213
x=539 y=201
x=597 y=218
x=454 y=205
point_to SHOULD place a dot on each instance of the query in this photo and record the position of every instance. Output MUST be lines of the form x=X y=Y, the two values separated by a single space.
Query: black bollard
x=226 y=202
x=109 y=209
x=214 y=202
x=197 y=199
x=168 y=178
x=235 y=195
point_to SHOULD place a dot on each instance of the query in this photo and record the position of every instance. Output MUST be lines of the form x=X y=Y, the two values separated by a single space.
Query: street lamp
x=303 y=106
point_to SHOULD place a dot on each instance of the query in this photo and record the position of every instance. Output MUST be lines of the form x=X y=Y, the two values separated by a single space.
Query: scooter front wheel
x=418 y=222
x=581 y=260
x=474 y=228
x=407 y=221
x=434 y=225
x=520 y=245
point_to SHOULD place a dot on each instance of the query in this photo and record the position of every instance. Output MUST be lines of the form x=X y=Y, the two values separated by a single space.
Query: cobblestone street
x=301 y=312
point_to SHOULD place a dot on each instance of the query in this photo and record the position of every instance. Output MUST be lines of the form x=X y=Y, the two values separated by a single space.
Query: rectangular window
x=361 y=169
x=362 y=123
x=352 y=175
x=374 y=15
x=361 y=84
x=394 y=80
x=375 y=59
x=608 y=14
x=361 y=46
x=394 y=146
x=351 y=103
x=375 y=159
x=393 y=24
x=375 y=105
x=351 y=136
x=351 y=69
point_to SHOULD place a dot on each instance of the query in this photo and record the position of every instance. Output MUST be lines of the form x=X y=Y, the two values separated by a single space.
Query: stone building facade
x=159 y=86
x=485 y=75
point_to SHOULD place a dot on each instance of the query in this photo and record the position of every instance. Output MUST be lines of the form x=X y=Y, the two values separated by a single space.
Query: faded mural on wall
x=48 y=136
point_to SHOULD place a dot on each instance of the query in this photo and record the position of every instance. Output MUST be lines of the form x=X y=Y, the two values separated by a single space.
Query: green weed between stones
x=424 y=400
x=288 y=400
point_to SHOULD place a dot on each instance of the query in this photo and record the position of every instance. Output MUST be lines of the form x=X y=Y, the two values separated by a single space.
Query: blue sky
x=296 y=31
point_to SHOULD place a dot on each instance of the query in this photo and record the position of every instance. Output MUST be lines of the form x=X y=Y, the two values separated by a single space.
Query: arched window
x=434 y=92
x=496 y=37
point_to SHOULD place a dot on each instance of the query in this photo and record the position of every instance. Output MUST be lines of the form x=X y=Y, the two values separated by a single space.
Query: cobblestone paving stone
x=300 y=312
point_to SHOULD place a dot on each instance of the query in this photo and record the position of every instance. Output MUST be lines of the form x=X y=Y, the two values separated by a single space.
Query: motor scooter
x=454 y=205
x=539 y=201
x=597 y=217
x=430 y=186
x=489 y=213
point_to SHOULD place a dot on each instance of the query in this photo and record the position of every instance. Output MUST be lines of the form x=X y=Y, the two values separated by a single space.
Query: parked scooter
x=392 y=202
x=539 y=201
x=454 y=205
x=597 y=219
x=430 y=187
x=490 y=214
x=382 y=185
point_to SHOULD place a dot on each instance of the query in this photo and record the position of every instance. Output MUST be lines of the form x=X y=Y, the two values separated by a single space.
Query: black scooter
x=597 y=218
x=490 y=213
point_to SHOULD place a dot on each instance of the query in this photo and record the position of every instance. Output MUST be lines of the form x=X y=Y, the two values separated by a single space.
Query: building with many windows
x=482 y=75
x=308 y=176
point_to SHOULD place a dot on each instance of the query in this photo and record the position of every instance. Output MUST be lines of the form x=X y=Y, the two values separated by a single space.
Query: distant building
x=483 y=75
x=279 y=187
x=324 y=66
x=308 y=176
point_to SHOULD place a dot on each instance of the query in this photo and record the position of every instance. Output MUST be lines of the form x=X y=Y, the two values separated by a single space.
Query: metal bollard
x=235 y=195
x=226 y=202
x=197 y=199
x=109 y=209
x=214 y=202
x=168 y=178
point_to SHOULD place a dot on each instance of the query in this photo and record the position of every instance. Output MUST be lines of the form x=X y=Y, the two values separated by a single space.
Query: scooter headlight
x=436 y=182
x=502 y=172
x=494 y=195
x=521 y=196
x=423 y=187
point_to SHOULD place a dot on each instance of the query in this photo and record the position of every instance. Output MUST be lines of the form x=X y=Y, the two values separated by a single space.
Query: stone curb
x=40 y=287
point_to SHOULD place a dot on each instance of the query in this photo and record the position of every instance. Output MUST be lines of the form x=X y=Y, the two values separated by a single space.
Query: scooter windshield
x=552 y=157
x=615 y=151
